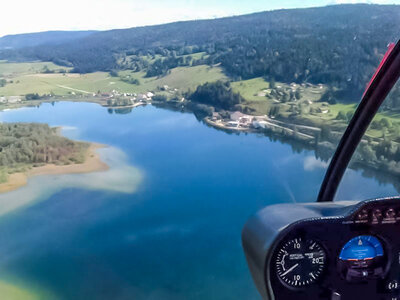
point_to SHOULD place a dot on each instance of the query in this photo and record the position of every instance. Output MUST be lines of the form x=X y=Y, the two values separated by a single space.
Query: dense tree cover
x=218 y=94
x=283 y=94
x=41 y=38
x=129 y=79
x=119 y=102
x=337 y=45
x=33 y=96
x=160 y=98
x=27 y=144
x=392 y=102
x=162 y=66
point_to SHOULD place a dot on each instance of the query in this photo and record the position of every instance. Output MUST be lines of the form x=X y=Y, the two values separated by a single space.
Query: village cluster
x=116 y=98
x=239 y=121
x=10 y=99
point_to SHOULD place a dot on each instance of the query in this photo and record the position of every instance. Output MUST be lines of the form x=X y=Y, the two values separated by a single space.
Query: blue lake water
x=173 y=234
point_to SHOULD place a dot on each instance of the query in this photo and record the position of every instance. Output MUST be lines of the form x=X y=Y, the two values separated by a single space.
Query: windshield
x=137 y=138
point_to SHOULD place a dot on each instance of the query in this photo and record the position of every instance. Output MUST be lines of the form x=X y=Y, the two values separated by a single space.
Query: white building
x=260 y=124
x=232 y=124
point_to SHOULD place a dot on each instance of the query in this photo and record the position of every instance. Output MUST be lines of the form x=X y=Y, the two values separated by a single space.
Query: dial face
x=363 y=247
x=300 y=262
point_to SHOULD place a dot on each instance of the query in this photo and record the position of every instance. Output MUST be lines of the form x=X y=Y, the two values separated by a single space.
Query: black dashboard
x=334 y=251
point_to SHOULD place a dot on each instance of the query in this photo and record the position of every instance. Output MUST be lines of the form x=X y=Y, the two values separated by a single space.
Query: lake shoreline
x=93 y=163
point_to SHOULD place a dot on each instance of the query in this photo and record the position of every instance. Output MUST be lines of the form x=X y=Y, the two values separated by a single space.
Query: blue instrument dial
x=363 y=247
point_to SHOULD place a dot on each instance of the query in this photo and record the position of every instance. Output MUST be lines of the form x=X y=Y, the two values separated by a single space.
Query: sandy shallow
x=113 y=173
x=93 y=163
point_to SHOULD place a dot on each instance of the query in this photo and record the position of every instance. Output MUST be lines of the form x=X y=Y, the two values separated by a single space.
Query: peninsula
x=31 y=149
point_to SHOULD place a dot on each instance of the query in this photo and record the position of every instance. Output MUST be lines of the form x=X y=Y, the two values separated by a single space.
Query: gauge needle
x=290 y=270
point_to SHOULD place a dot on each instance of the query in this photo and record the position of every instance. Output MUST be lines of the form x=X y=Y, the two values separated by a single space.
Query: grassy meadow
x=26 y=78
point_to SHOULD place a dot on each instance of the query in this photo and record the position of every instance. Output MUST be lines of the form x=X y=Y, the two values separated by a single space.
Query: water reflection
x=173 y=234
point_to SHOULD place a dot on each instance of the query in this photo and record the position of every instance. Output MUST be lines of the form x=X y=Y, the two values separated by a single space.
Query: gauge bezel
x=305 y=239
x=387 y=257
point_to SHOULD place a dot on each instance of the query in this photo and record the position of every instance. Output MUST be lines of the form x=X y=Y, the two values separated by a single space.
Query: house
x=236 y=116
x=141 y=97
x=246 y=120
x=322 y=110
x=149 y=95
x=216 y=116
x=14 y=99
x=3 y=99
x=232 y=124
x=260 y=124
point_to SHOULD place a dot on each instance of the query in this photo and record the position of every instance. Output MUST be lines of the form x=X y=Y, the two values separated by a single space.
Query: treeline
x=163 y=66
x=336 y=45
x=119 y=102
x=392 y=102
x=33 y=96
x=30 y=144
x=218 y=94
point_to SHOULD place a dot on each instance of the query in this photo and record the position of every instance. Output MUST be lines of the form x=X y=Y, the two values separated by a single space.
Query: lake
x=165 y=222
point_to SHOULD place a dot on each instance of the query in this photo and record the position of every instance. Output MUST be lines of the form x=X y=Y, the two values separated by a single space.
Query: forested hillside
x=41 y=38
x=336 y=45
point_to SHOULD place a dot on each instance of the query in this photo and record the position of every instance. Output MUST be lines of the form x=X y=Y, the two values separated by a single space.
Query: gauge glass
x=300 y=262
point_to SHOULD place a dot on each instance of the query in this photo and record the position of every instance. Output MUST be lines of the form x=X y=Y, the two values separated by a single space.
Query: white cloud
x=311 y=164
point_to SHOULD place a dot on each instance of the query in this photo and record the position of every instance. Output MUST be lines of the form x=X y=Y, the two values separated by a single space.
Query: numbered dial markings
x=300 y=262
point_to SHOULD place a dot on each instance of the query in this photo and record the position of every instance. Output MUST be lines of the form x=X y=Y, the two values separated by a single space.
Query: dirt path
x=72 y=89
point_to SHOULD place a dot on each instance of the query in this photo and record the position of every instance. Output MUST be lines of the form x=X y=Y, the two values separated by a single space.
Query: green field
x=12 y=70
x=255 y=92
x=182 y=78
x=26 y=79
x=250 y=89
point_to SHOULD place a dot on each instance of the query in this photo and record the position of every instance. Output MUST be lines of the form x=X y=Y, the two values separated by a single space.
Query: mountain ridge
x=338 y=45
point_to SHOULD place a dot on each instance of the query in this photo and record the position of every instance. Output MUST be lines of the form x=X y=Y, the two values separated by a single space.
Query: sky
x=23 y=16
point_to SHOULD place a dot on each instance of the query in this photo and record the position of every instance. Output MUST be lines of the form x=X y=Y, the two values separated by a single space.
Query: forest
x=335 y=45
x=217 y=94
x=25 y=145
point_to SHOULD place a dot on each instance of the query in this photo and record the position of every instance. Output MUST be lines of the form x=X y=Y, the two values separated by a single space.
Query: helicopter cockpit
x=332 y=250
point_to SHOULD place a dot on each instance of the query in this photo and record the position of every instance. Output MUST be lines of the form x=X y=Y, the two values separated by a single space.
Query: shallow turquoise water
x=174 y=235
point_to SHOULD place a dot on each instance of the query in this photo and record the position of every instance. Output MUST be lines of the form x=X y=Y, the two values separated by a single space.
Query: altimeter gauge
x=300 y=262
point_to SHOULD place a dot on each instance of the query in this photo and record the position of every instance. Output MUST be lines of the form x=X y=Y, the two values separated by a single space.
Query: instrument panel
x=340 y=257
x=332 y=251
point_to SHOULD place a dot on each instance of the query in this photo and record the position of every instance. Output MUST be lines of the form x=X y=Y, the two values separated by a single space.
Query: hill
x=335 y=45
x=40 y=38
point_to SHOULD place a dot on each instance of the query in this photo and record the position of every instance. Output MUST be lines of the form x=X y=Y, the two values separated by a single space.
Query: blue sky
x=21 y=16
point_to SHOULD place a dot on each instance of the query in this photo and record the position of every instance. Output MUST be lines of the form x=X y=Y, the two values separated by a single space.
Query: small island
x=29 y=149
